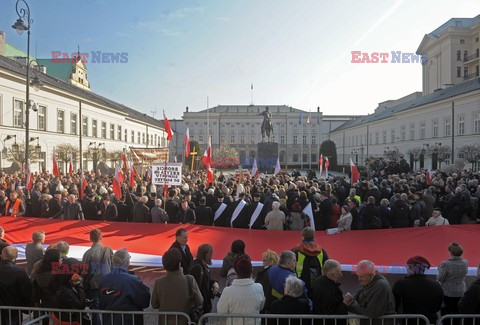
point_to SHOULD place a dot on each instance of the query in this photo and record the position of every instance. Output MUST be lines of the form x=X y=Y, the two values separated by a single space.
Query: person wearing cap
x=203 y=213
x=243 y=296
x=122 y=291
x=417 y=294
x=436 y=219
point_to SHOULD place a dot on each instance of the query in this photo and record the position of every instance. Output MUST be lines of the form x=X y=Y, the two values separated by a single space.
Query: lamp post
x=23 y=24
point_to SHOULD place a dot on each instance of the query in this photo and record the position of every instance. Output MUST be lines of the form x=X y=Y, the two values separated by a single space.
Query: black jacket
x=400 y=214
x=89 y=209
x=290 y=306
x=141 y=213
x=186 y=216
x=204 y=215
x=171 y=207
x=470 y=302
x=325 y=214
x=328 y=298
x=369 y=213
x=187 y=256
x=109 y=212
x=15 y=285
x=418 y=295
x=201 y=273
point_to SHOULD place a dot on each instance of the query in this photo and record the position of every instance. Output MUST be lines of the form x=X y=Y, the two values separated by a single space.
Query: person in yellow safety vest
x=14 y=207
x=310 y=258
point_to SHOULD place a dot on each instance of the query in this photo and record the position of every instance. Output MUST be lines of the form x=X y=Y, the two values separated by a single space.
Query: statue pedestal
x=267 y=157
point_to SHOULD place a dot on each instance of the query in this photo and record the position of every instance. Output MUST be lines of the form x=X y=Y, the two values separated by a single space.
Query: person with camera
x=199 y=270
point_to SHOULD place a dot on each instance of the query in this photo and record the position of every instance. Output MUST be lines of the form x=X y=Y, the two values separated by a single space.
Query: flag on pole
x=309 y=212
x=28 y=177
x=70 y=166
x=83 y=185
x=117 y=181
x=209 y=174
x=428 y=178
x=207 y=155
x=133 y=174
x=300 y=118
x=255 y=172
x=55 y=171
x=320 y=162
x=355 y=175
x=125 y=163
x=168 y=129
x=309 y=118
x=251 y=86
x=277 y=167
x=327 y=163
x=186 y=143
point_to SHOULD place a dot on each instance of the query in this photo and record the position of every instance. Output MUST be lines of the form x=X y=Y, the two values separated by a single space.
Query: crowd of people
x=299 y=281
x=272 y=202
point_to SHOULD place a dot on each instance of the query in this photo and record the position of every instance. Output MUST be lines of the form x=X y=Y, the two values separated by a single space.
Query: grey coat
x=374 y=300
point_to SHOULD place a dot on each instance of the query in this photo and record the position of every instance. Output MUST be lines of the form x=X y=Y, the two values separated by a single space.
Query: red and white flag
x=186 y=143
x=117 y=182
x=168 y=128
x=428 y=177
x=70 y=166
x=83 y=185
x=55 y=171
x=355 y=175
x=207 y=155
x=255 y=172
x=278 y=169
x=209 y=174
x=133 y=174
x=125 y=163
x=327 y=164
x=309 y=118
x=28 y=178
x=320 y=162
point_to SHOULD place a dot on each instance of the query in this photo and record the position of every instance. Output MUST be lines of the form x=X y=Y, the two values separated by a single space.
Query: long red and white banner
x=389 y=249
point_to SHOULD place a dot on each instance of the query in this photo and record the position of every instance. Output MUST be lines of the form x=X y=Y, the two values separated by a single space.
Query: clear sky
x=296 y=53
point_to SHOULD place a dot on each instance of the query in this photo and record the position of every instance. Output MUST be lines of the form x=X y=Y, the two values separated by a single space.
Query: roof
x=18 y=68
x=455 y=22
x=250 y=109
x=465 y=87
x=59 y=70
x=12 y=52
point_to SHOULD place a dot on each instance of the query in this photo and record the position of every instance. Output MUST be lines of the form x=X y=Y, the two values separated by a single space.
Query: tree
x=442 y=152
x=64 y=151
x=225 y=157
x=194 y=147
x=16 y=152
x=114 y=157
x=415 y=154
x=393 y=154
x=329 y=149
x=470 y=152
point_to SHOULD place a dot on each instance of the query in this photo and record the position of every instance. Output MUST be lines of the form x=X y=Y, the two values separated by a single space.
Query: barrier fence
x=32 y=315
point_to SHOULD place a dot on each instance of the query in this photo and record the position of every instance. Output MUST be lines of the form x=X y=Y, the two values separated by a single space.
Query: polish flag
x=29 y=177
x=320 y=162
x=55 y=166
x=428 y=178
x=125 y=163
x=70 y=166
x=186 y=143
x=327 y=164
x=117 y=181
x=309 y=119
x=168 y=129
x=278 y=169
x=207 y=155
x=133 y=174
x=255 y=172
x=83 y=186
x=209 y=174
x=355 y=175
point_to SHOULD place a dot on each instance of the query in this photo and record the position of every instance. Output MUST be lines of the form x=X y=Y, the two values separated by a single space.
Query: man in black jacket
x=324 y=212
x=470 y=302
x=72 y=210
x=327 y=296
x=108 y=211
x=89 y=207
x=15 y=286
x=181 y=239
x=171 y=207
x=417 y=294
x=370 y=215
x=141 y=213
x=203 y=213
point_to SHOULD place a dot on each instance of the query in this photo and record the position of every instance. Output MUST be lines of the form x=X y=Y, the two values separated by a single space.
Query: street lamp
x=23 y=24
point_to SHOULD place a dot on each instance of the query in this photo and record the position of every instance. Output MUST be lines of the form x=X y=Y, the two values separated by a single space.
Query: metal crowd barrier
x=271 y=319
x=10 y=315
x=459 y=319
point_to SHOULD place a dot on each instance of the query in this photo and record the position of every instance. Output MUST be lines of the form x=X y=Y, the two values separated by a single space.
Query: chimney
x=186 y=109
x=3 y=42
